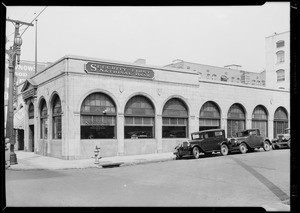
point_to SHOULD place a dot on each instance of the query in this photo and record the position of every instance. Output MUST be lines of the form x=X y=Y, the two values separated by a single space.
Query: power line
x=34 y=19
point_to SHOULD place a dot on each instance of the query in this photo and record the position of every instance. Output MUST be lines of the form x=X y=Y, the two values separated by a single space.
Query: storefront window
x=209 y=117
x=56 y=118
x=98 y=117
x=280 y=121
x=175 y=119
x=44 y=120
x=235 y=120
x=139 y=118
x=260 y=120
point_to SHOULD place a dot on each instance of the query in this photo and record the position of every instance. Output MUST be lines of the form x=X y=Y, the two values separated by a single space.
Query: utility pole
x=14 y=53
x=35 y=64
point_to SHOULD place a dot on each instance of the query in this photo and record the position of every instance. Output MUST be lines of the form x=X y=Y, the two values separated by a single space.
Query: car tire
x=289 y=144
x=224 y=149
x=266 y=146
x=196 y=152
x=243 y=148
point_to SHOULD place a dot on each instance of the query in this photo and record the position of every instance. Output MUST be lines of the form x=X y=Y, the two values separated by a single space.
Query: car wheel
x=224 y=149
x=243 y=148
x=289 y=144
x=196 y=152
x=266 y=146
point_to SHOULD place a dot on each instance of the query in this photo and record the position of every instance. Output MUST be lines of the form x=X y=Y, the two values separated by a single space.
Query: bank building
x=77 y=103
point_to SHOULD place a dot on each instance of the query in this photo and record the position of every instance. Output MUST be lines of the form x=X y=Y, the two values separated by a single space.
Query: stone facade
x=68 y=80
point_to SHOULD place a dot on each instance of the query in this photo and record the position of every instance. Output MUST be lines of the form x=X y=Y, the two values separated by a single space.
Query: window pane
x=174 y=132
x=57 y=127
x=138 y=132
x=97 y=132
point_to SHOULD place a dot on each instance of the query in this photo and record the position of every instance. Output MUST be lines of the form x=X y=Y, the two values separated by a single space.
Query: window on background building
x=260 y=120
x=209 y=117
x=280 y=56
x=31 y=111
x=188 y=67
x=224 y=78
x=56 y=118
x=279 y=44
x=98 y=117
x=263 y=83
x=44 y=120
x=253 y=82
x=280 y=75
x=208 y=76
x=238 y=80
x=232 y=79
x=257 y=82
x=280 y=121
x=235 y=120
x=214 y=77
x=200 y=75
x=175 y=119
x=139 y=118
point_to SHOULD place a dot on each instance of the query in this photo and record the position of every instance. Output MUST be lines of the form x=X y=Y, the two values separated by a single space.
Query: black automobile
x=206 y=141
x=282 y=140
x=250 y=139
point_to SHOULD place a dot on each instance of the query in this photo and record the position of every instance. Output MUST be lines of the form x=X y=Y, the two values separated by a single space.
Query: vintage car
x=282 y=140
x=206 y=141
x=250 y=139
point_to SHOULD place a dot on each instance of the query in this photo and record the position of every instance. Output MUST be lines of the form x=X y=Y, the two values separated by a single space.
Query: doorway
x=20 y=139
x=31 y=138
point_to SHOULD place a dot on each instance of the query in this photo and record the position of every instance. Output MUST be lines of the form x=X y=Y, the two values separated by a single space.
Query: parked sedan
x=206 y=142
x=282 y=140
x=250 y=139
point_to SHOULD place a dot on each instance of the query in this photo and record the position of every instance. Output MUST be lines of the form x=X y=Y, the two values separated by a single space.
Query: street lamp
x=13 y=53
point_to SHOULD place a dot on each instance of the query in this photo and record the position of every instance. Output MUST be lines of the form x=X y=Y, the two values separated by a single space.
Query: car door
x=217 y=139
x=208 y=141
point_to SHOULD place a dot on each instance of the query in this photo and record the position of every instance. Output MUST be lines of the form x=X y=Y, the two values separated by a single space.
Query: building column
x=158 y=133
x=120 y=133
x=223 y=124
x=270 y=128
x=36 y=124
x=193 y=125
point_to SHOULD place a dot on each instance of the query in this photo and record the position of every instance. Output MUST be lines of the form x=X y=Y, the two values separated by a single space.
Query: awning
x=19 y=119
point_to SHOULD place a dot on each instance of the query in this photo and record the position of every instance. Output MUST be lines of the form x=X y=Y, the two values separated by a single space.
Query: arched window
x=139 y=118
x=98 y=117
x=280 y=75
x=56 y=118
x=44 y=120
x=260 y=120
x=280 y=56
x=280 y=121
x=209 y=117
x=235 y=119
x=31 y=111
x=175 y=119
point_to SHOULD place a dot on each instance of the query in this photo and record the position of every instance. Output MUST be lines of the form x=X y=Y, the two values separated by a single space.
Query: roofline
x=278 y=34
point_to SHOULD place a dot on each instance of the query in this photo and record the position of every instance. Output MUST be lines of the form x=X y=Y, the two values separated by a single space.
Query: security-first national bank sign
x=111 y=69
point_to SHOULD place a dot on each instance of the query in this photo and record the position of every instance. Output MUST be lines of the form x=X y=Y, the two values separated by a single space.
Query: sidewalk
x=32 y=161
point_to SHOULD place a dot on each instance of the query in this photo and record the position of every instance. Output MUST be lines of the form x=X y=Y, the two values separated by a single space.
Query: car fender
x=196 y=145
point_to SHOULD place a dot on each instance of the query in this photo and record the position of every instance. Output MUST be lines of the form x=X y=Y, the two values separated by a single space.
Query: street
x=253 y=179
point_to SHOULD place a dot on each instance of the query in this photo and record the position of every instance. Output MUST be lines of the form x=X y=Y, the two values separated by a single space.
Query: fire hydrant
x=97 y=154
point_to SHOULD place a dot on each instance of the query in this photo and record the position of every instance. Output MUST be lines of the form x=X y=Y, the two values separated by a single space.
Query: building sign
x=118 y=70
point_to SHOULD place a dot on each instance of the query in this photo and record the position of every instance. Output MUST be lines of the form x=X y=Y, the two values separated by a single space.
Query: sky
x=211 y=35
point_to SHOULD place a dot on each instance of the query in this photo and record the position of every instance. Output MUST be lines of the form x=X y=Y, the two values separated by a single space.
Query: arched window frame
x=209 y=116
x=139 y=117
x=44 y=119
x=280 y=56
x=260 y=119
x=236 y=119
x=56 y=118
x=280 y=75
x=98 y=117
x=175 y=119
x=280 y=121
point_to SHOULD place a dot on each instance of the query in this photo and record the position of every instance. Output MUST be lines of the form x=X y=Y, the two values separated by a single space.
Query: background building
x=278 y=60
x=23 y=71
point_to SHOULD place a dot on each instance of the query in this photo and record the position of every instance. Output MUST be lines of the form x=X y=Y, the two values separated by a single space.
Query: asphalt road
x=252 y=179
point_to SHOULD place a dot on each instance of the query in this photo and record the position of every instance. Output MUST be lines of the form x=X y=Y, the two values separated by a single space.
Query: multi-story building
x=228 y=73
x=278 y=60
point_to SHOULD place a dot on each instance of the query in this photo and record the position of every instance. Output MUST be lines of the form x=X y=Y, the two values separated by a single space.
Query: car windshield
x=197 y=136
